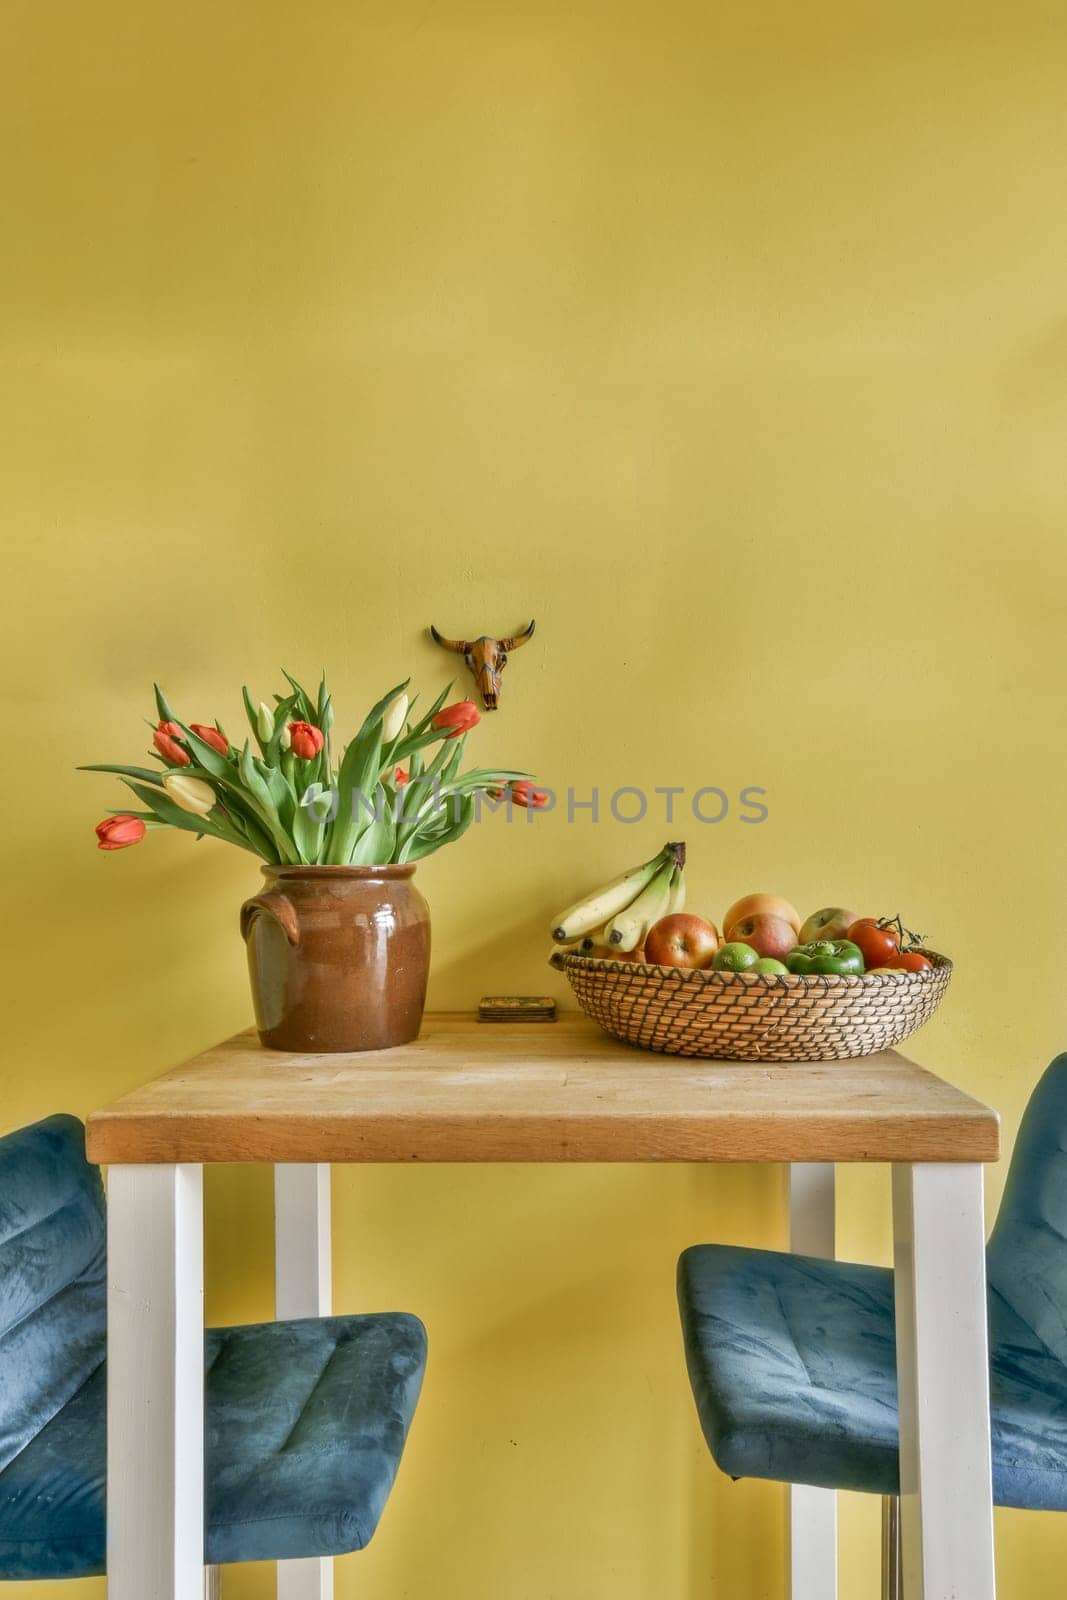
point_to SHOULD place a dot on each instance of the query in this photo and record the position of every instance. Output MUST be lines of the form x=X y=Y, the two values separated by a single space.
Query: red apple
x=759 y=905
x=829 y=923
x=681 y=940
x=768 y=935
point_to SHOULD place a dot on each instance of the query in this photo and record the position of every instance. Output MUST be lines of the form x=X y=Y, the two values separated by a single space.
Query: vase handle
x=276 y=905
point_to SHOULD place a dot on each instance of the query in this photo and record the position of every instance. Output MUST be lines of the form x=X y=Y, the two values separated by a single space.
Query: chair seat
x=793 y=1366
x=305 y=1425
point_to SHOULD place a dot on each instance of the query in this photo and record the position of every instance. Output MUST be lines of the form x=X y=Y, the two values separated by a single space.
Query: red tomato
x=879 y=945
x=911 y=961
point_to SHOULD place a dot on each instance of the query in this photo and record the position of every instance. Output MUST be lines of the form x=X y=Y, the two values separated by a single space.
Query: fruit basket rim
x=562 y=959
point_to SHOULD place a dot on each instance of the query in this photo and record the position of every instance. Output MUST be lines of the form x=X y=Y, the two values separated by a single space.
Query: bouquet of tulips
x=280 y=796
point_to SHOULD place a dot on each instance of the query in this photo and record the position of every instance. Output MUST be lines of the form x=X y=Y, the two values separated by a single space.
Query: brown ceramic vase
x=338 y=957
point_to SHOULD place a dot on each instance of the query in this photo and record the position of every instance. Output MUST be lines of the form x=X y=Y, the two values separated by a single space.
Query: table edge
x=466 y=1139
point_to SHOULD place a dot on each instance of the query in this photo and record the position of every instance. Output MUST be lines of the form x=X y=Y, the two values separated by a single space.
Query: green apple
x=769 y=965
x=735 y=957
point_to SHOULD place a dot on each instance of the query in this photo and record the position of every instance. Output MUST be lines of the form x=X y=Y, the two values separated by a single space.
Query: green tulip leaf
x=307 y=834
x=374 y=847
x=423 y=723
x=252 y=713
x=301 y=697
x=424 y=843
x=264 y=806
x=163 y=706
x=144 y=774
x=219 y=766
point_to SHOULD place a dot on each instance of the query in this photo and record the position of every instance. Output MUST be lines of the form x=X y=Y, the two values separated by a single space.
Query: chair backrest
x=1027 y=1261
x=53 y=1291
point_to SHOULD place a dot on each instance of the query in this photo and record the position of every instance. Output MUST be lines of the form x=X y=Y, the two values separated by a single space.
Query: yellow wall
x=729 y=341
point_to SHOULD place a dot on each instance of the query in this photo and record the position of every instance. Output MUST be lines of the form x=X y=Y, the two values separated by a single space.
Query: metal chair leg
x=212 y=1583
x=891 y=1579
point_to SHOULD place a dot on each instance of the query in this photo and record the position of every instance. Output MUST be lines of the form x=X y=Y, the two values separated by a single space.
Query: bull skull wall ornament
x=486 y=659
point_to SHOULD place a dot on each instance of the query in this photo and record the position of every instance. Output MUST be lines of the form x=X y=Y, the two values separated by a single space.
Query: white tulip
x=395 y=716
x=265 y=723
x=192 y=794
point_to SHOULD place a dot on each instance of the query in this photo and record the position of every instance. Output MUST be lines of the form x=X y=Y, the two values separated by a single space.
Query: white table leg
x=303 y=1287
x=946 y=1496
x=155 y=1383
x=812 y=1512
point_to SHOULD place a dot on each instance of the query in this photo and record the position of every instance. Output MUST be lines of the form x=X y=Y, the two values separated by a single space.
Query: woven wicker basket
x=749 y=1016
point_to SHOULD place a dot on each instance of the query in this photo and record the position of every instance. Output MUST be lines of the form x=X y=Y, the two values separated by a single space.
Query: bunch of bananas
x=621 y=913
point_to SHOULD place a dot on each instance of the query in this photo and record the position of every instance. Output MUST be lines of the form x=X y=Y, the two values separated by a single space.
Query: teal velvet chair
x=792 y=1360
x=305 y=1420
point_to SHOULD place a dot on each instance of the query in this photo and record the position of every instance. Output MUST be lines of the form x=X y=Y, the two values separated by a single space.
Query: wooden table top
x=552 y=1091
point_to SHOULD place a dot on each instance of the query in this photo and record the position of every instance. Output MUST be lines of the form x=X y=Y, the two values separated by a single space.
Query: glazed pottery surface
x=338 y=957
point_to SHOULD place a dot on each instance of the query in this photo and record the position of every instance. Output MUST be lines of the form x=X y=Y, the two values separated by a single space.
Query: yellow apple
x=757 y=905
x=830 y=923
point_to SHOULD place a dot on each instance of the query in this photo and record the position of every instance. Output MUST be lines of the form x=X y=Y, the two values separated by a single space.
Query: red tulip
x=457 y=719
x=168 y=746
x=400 y=777
x=116 y=833
x=524 y=794
x=307 y=740
x=218 y=741
x=172 y=728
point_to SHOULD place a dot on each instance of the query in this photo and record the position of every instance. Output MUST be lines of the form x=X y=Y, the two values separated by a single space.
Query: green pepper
x=836 y=957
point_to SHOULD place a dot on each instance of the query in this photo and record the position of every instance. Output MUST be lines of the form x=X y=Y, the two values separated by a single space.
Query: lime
x=735 y=958
x=769 y=965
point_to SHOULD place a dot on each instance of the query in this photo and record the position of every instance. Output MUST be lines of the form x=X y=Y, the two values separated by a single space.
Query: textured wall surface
x=729 y=341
